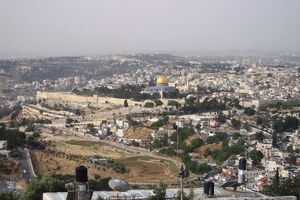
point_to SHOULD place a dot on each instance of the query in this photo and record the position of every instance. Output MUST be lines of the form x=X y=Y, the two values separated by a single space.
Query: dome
x=162 y=80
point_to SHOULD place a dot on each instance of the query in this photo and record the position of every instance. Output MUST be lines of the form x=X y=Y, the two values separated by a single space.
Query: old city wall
x=73 y=98
x=69 y=97
x=66 y=97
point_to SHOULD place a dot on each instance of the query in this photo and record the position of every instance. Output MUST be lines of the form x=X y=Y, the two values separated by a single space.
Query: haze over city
x=35 y=28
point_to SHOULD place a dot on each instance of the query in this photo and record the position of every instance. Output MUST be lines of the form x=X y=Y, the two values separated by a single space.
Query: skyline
x=55 y=28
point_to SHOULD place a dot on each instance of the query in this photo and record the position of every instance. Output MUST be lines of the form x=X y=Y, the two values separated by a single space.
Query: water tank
x=206 y=187
x=81 y=174
x=242 y=164
x=241 y=176
x=212 y=189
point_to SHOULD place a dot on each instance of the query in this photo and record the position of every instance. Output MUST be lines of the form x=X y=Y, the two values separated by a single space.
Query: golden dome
x=162 y=80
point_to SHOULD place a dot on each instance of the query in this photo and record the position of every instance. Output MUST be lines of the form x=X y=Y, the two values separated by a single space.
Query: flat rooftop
x=220 y=194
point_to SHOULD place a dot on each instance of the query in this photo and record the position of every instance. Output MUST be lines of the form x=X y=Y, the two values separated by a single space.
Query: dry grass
x=10 y=165
x=65 y=153
x=137 y=132
x=201 y=150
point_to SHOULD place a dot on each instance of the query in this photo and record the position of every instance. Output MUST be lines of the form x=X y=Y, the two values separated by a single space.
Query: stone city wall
x=73 y=98
x=66 y=97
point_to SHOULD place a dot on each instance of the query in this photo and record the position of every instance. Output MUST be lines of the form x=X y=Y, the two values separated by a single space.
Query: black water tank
x=206 y=187
x=242 y=164
x=81 y=174
x=212 y=188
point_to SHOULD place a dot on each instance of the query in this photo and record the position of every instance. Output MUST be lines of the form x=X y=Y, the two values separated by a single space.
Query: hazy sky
x=88 y=27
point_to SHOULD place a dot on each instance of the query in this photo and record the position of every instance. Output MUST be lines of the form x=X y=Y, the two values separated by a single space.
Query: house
x=3 y=148
x=120 y=132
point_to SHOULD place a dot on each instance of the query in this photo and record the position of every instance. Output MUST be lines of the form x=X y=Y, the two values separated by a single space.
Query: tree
x=287 y=187
x=274 y=140
x=190 y=196
x=198 y=127
x=125 y=103
x=77 y=112
x=236 y=136
x=247 y=127
x=69 y=121
x=158 y=102
x=288 y=123
x=56 y=183
x=91 y=129
x=249 y=111
x=196 y=143
x=160 y=122
x=149 y=105
x=256 y=156
x=259 y=136
x=9 y=196
x=259 y=120
x=159 y=192
x=173 y=103
x=37 y=187
x=290 y=149
x=221 y=117
x=236 y=123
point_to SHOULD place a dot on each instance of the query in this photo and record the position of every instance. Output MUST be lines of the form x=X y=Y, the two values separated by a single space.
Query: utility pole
x=177 y=133
x=182 y=174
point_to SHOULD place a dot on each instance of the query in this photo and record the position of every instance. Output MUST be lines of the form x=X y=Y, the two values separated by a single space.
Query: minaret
x=161 y=92
x=187 y=85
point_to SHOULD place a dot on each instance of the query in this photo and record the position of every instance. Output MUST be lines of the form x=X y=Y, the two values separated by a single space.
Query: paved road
x=9 y=184
x=26 y=164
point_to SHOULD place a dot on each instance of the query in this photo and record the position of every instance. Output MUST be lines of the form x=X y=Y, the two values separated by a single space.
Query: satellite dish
x=119 y=185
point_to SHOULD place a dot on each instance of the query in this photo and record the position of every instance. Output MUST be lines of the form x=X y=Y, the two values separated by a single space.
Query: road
x=9 y=184
x=26 y=164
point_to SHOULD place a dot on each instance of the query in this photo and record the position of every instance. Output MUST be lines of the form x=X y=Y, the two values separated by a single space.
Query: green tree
x=159 y=192
x=149 y=105
x=290 y=149
x=125 y=103
x=37 y=187
x=249 y=111
x=91 y=129
x=236 y=123
x=9 y=196
x=173 y=103
x=287 y=187
x=247 y=127
x=158 y=102
x=256 y=156
x=198 y=127
x=288 y=123
x=236 y=136
x=77 y=112
x=221 y=117
x=274 y=140
x=196 y=143
x=259 y=136
x=190 y=196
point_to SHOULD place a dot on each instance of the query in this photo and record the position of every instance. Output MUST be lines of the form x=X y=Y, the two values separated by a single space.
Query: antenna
x=119 y=185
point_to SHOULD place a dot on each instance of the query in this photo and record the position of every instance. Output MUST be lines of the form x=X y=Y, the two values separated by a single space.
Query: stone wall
x=66 y=97
x=73 y=98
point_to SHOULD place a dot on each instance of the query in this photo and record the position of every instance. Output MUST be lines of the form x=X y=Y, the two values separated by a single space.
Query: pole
x=181 y=173
x=181 y=188
x=177 y=135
